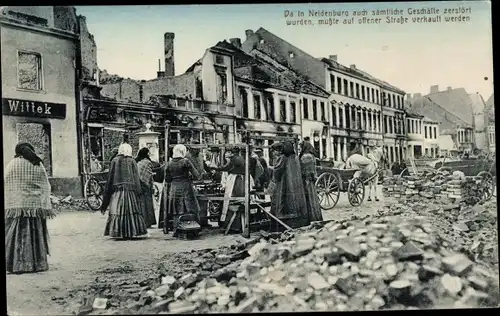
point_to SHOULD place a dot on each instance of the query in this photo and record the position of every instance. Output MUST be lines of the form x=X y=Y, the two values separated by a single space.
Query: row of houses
x=55 y=96
x=464 y=121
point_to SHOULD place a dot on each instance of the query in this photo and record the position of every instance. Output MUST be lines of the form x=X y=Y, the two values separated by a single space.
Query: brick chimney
x=248 y=33
x=159 y=73
x=236 y=42
x=169 y=54
x=333 y=57
x=353 y=67
x=435 y=88
x=449 y=88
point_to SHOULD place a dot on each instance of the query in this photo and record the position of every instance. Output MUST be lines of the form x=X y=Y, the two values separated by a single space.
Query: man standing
x=264 y=177
x=197 y=160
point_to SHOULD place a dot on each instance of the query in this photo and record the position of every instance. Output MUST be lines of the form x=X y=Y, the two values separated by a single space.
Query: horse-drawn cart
x=332 y=181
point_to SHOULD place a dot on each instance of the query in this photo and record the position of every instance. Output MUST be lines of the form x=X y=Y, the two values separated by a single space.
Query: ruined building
x=47 y=56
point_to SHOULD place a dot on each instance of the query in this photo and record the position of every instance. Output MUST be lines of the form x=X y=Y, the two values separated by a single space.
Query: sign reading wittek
x=33 y=108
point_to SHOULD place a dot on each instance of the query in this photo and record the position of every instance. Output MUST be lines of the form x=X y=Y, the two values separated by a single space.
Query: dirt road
x=79 y=252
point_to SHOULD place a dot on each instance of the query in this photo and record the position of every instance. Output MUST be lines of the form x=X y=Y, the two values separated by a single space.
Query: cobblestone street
x=79 y=250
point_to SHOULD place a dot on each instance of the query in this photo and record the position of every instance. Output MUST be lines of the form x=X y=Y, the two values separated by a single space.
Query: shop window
x=39 y=136
x=96 y=149
x=29 y=71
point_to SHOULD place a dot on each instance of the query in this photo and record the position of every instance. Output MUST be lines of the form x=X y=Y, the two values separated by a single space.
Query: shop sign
x=29 y=108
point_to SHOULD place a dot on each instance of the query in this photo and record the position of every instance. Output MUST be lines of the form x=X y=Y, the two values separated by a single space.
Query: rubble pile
x=437 y=185
x=68 y=203
x=468 y=229
x=370 y=264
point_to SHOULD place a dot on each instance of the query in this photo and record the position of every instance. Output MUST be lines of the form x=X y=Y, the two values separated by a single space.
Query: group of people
x=128 y=194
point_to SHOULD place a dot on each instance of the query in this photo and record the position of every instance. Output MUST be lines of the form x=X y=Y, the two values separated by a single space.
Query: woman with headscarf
x=288 y=201
x=308 y=168
x=145 y=167
x=121 y=195
x=27 y=207
x=179 y=197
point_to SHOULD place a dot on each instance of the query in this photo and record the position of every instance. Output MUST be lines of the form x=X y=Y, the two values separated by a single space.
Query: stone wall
x=89 y=50
x=141 y=91
x=65 y=18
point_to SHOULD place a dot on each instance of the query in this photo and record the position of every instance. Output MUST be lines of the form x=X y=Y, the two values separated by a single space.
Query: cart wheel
x=356 y=192
x=156 y=192
x=93 y=194
x=328 y=189
x=488 y=184
x=214 y=208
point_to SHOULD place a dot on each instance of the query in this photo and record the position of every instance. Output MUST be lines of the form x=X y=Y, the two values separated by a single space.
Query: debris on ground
x=68 y=203
x=400 y=260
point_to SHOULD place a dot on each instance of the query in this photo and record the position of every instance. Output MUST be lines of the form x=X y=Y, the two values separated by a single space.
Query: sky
x=411 y=56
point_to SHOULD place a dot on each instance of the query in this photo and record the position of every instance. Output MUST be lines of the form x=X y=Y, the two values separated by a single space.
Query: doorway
x=38 y=135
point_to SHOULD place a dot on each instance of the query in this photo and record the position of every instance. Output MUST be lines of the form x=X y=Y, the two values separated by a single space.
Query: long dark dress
x=27 y=207
x=178 y=196
x=288 y=201
x=146 y=174
x=121 y=195
x=308 y=168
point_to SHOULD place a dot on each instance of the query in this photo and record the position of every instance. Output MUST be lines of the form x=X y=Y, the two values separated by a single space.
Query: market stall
x=244 y=210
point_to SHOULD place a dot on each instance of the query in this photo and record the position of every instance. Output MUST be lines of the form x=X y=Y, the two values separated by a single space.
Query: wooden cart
x=332 y=181
x=483 y=167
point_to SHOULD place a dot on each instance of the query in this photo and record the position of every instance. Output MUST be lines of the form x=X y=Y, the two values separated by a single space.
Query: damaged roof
x=456 y=101
x=448 y=120
x=277 y=48
x=257 y=70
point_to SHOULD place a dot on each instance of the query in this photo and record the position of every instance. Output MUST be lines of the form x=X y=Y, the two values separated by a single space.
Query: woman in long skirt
x=121 y=195
x=146 y=175
x=27 y=207
x=288 y=201
x=180 y=197
x=308 y=168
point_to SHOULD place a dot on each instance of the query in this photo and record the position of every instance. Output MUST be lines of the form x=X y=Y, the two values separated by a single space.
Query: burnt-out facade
x=41 y=73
